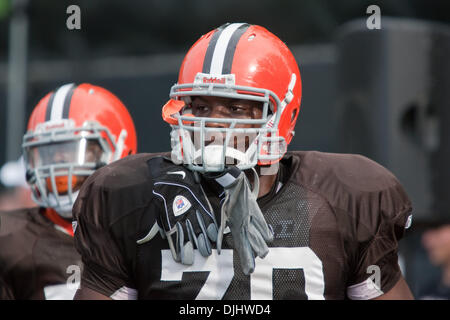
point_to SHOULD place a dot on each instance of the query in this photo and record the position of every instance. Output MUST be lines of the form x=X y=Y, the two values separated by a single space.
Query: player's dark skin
x=215 y=107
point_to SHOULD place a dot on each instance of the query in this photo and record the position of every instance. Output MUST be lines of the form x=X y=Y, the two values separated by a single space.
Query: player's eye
x=236 y=108
x=200 y=108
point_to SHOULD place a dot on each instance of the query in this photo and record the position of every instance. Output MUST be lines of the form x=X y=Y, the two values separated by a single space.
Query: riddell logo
x=214 y=80
x=54 y=126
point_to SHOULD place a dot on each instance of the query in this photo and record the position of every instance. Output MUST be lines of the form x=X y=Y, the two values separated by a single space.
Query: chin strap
x=60 y=223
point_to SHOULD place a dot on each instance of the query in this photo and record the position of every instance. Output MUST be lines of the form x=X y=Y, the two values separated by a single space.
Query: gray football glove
x=242 y=214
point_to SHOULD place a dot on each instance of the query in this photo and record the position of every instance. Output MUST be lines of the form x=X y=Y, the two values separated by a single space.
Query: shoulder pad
x=354 y=184
x=11 y=222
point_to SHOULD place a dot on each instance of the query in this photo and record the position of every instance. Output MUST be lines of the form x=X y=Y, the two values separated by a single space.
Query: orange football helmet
x=71 y=132
x=239 y=61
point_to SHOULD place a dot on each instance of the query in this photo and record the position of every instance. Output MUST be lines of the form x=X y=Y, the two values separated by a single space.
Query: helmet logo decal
x=214 y=80
x=220 y=52
x=203 y=78
x=55 y=124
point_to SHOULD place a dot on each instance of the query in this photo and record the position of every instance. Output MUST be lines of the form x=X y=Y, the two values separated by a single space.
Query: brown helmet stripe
x=48 y=110
x=210 y=50
x=220 y=52
x=231 y=48
x=67 y=101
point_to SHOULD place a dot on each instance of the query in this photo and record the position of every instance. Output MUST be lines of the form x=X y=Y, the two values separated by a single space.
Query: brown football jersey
x=38 y=259
x=337 y=220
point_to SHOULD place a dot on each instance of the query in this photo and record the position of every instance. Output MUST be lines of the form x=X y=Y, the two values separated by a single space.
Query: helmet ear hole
x=271 y=109
x=292 y=126
x=294 y=115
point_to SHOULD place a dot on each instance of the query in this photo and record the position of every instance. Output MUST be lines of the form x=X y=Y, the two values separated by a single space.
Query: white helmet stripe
x=57 y=107
x=221 y=48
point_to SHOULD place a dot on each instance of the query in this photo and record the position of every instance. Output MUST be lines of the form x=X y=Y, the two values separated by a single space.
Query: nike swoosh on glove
x=186 y=216
x=242 y=214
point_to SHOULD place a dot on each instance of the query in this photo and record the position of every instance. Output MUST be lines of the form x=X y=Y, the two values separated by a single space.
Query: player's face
x=216 y=107
x=92 y=153
x=60 y=155
x=226 y=108
x=79 y=152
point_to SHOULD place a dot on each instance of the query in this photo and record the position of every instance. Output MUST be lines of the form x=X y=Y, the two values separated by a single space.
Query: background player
x=72 y=131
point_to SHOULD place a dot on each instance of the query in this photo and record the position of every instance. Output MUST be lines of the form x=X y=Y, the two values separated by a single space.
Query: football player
x=230 y=214
x=73 y=131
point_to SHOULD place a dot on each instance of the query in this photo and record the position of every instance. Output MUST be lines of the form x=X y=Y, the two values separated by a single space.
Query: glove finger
x=208 y=219
x=248 y=263
x=223 y=222
x=191 y=232
x=179 y=240
x=185 y=250
x=173 y=248
x=245 y=252
x=187 y=254
x=219 y=239
x=204 y=246
x=201 y=242
x=257 y=242
x=259 y=223
x=212 y=232
x=162 y=233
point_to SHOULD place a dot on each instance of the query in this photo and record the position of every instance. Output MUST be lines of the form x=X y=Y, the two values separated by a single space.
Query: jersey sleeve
x=371 y=211
x=114 y=209
x=380 y=219
x=105 y=268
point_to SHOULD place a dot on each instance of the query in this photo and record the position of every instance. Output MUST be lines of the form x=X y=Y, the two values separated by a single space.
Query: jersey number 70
x=221 y=272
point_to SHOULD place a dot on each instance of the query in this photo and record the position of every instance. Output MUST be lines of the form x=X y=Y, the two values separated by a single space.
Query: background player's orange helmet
x=71 y=132
x=238 y=61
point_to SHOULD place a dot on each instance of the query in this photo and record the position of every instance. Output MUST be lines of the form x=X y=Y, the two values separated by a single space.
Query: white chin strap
x=213 y=159
x=63 y=205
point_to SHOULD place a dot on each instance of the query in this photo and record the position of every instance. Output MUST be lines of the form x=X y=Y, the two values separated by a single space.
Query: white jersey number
x=221 y=272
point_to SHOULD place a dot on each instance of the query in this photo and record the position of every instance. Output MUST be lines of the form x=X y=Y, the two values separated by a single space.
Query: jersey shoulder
x=14 y=222
x=349 y=171
x=113 y=210
x=128 y=171
x=18 y=233
x=353 y=184
x=119 y=188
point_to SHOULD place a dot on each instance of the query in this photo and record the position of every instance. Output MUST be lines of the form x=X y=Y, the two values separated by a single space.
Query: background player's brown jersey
x=38 y=260
x=336 y=218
